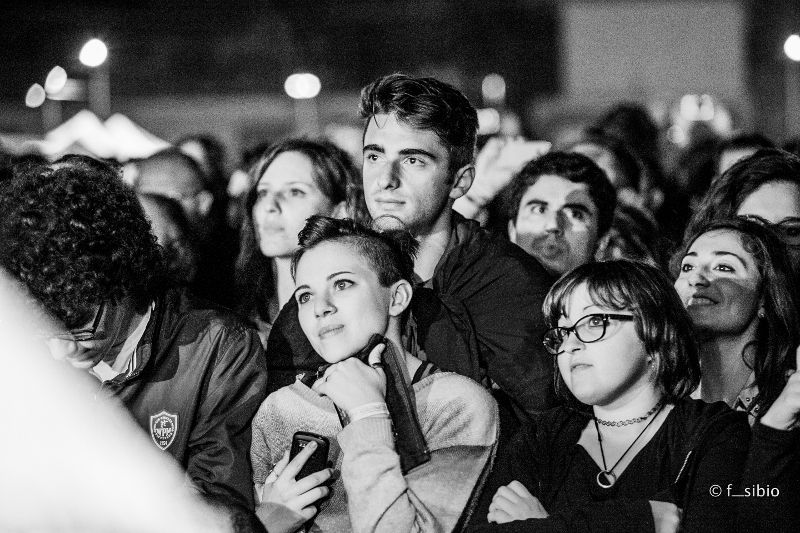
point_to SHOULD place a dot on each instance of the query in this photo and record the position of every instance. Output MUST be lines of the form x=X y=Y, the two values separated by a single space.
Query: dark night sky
x=244 y=46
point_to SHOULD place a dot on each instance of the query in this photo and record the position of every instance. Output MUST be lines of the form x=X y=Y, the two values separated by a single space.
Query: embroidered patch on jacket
x=163 y=428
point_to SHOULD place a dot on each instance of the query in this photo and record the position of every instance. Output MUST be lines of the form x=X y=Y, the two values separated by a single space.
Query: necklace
x=606 y=478
x=619 y=423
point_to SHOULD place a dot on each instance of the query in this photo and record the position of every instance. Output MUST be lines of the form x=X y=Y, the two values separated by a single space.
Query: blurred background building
x=221 y=66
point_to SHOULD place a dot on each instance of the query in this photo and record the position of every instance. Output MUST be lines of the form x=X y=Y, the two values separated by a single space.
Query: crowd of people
x=541 y=337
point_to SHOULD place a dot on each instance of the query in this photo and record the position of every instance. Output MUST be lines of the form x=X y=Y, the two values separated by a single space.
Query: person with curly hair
x=192 y=378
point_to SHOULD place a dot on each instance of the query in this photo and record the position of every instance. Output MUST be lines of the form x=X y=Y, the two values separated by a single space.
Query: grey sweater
x=459 y=420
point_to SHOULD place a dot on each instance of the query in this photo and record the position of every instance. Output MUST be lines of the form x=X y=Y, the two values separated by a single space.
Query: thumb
x=376 y=355
x=797 y=359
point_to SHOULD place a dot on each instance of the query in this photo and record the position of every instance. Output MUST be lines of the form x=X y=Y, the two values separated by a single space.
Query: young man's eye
x=576 y=214
x=342 y=284
x=414 y=161
x=371 y=157
x=686 y=267
x=296 y=192
x=538 y=209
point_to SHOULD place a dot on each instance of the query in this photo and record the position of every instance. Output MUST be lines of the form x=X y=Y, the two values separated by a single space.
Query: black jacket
x=200 y=377
x=479 y=316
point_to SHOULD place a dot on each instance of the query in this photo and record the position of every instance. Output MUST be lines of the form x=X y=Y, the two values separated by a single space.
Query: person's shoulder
x=456 y=408
x=480 y=251
x=696 y=419
x=183 y=310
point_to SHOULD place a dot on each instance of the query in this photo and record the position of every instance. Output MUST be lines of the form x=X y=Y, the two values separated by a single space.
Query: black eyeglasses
x=590 y=328
x=86 y=334
x=789 y=229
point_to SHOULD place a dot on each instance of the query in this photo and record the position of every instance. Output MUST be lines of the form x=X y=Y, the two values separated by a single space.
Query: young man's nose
x=389 y=177
x=554 y=221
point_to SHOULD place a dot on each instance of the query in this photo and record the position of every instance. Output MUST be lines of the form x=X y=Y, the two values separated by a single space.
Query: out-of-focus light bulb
x=792 y=47
x=488 y=121
x=93 y=53
x=493 y=88
x=302 y=85
x=56 y=80
x=35 y=96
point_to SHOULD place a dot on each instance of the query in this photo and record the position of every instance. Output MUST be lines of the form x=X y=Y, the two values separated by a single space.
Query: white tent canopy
x=118 y=137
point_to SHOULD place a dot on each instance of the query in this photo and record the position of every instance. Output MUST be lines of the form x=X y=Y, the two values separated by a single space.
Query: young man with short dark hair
x=477 y=306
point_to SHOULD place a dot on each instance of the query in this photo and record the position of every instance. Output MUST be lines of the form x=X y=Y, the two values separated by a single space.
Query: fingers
x=520 y=490
x=376 y=355
x=507 y=494
x=498 y=517
x=294 y=466
x=312 y=480
x=277 y=470
x=308 y=498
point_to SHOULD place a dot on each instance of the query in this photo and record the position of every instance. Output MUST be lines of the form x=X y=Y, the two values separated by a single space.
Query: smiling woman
x=736 y=282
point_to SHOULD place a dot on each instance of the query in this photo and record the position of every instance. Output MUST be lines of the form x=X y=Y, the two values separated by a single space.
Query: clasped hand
x=514 y=502
x=350 y=383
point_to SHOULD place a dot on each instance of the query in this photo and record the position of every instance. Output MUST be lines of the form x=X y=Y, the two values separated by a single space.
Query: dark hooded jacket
x=479 y=316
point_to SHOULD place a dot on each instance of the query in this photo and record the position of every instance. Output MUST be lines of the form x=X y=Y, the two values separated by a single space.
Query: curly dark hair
x=76 y=236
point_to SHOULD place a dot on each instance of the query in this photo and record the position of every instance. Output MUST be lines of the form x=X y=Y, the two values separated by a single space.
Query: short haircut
x=660 y=319
x=728 y=191
x=777 y=335
x=164 y=163
x=76 y=236
x=337 y=178
x=576 y=168
x=426 y=104
x=389 y=253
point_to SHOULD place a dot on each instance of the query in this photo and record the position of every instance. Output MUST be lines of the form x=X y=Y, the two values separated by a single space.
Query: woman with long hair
x=736 y=282
x=293 y=180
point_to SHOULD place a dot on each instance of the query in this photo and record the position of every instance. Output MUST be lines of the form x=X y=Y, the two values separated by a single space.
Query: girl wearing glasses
x=629 y=450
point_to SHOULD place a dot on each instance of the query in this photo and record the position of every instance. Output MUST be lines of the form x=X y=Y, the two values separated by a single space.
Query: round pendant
x=606 y=479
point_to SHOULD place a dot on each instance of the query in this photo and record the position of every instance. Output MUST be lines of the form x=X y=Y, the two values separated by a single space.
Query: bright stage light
x=93 y=53
x=302 y=85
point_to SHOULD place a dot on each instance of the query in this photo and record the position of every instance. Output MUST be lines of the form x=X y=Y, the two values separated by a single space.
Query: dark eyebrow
x=534 y=201
x=298 y=289
x=719 y=253
x=373 y=148
x=417 y=151
x=580 y=207
x=337 y=273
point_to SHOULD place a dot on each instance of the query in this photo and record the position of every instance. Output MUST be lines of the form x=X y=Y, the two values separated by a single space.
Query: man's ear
x=401 y=297
x=463 y=181
x=512 y=231
x=339 y=210
x=204 y=200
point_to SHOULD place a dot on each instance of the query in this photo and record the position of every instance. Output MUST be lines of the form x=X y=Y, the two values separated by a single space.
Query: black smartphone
x=318 y=460
x=363 y=354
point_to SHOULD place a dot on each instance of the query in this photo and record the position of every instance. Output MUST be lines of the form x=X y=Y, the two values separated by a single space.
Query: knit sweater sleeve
x=433 y=496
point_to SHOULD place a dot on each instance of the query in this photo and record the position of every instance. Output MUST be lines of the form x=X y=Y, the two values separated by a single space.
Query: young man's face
x=406 y=176
x=556 y=223
x=340 y=302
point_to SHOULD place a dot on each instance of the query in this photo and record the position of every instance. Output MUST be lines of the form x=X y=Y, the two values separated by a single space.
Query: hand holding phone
x=285 y=487
x=318 y=460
